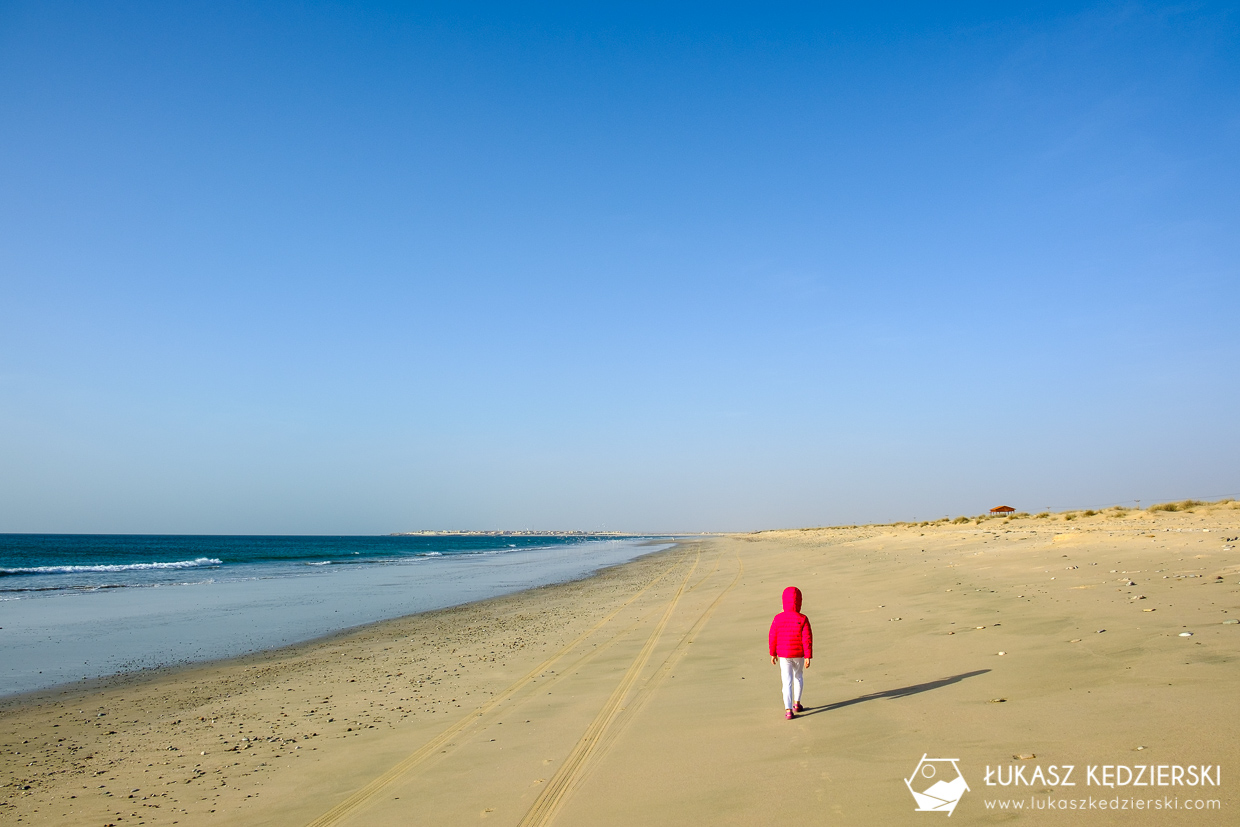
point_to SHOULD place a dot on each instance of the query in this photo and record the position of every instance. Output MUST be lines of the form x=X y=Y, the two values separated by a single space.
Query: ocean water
x=33 y=563
x=85 y=606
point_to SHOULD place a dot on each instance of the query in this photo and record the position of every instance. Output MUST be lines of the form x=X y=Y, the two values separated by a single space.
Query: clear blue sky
x=359 y=268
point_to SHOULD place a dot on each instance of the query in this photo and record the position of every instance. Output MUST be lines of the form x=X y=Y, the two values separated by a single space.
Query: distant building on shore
x=1002 y=509
x=508 y=533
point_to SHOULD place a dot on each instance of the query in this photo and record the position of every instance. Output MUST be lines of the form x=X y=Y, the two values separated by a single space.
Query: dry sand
x=645 y=696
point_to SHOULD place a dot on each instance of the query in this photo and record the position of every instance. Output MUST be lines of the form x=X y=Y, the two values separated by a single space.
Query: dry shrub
x=1041 y=515
x=1182 y=505
x=1089 y=513
x=960 y=520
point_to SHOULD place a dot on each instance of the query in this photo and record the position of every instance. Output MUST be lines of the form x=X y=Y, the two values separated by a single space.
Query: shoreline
x=125 y=725
x=138 y=677
x=61 y=638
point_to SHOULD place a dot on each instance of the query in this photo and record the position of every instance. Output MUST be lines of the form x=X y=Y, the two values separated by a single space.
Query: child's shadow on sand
x=894 y=693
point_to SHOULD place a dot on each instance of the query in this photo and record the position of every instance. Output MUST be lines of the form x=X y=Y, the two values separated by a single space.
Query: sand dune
x=644 y=695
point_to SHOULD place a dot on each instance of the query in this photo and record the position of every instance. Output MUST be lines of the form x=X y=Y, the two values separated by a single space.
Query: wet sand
x=645 y=695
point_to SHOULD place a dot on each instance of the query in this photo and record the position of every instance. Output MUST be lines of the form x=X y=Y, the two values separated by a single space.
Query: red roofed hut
x=1002 y=509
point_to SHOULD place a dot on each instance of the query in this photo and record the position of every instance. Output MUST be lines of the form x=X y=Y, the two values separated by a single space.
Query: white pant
x=792 y=670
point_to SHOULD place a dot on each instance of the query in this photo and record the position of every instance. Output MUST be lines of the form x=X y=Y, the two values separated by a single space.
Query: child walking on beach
x=791 y=643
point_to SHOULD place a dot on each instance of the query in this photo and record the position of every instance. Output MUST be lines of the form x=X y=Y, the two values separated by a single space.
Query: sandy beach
x=645 y=694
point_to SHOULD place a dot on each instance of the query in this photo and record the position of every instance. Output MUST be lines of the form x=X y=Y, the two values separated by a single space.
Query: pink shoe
x=788 y=714
x=798 y=707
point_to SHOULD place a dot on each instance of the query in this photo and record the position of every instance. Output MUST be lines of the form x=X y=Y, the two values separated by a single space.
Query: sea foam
x=180 y=564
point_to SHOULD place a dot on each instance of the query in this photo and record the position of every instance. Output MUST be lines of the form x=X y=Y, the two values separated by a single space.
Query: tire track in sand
x=648 y=687
x=601 y=648
x=365 y=794
x=557 y=790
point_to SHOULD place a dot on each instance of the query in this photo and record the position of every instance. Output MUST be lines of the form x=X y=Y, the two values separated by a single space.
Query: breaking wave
x=180 y=564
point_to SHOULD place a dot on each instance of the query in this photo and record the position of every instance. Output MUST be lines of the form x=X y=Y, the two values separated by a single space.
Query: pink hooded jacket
x=791 y=636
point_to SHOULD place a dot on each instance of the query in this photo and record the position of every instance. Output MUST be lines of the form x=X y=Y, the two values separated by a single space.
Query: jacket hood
x=792 y=599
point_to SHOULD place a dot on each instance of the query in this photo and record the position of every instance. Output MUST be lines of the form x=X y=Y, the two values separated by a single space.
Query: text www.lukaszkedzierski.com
x=1090 y=803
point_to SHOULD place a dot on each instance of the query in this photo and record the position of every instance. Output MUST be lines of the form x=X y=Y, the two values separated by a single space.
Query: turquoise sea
x=88 y=606
x=54 y=562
